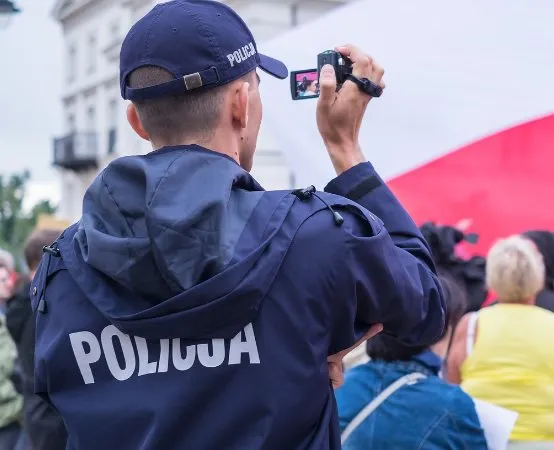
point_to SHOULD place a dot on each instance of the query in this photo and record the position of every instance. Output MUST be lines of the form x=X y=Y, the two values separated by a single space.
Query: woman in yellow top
x=504 y=354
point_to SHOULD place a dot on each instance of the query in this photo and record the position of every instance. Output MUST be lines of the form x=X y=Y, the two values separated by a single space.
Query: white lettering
x=122 y=362
x=145 y=366
x=164 y=355
x=107 y=338
x=216 y=358
x=248 y=346
x=178 y=361
x=238 y=56
x=242 y=54
x=85 y=359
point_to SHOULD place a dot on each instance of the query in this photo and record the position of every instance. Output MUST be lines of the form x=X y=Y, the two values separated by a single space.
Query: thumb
x=336 y=374
x=327 y=86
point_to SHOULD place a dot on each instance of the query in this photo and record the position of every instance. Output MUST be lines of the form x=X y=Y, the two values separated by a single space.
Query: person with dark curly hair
x=544 y=241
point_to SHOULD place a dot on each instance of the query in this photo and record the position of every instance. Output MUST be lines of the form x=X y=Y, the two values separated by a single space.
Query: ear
x=240 y=104
x=135 y=122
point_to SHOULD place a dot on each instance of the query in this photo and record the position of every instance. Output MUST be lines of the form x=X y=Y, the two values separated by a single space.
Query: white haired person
x=503 y=354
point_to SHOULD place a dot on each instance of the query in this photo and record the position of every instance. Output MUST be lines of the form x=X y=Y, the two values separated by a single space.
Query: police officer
x=191 y=309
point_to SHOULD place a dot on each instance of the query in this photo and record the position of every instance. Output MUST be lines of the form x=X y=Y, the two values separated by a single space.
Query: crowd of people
x=497 y=349
x=27 y=422
x=402 y=396
x=191 y=309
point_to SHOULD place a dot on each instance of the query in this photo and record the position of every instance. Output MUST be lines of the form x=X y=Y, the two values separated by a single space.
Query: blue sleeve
x=390 y=270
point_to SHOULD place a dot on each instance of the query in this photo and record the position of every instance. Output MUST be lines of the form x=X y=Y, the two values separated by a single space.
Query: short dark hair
x=35 y=243
x=388 y=348
x=172 y=118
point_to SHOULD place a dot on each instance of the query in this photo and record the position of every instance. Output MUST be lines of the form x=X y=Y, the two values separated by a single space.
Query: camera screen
x=305 y=84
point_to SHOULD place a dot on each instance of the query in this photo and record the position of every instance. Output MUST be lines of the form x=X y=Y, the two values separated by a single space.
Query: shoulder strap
x=409 y=379
x=470 y=336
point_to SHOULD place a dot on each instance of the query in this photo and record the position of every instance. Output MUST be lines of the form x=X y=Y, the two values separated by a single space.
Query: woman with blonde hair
x=503 y=354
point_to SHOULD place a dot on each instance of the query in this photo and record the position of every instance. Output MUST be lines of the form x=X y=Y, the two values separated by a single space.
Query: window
x=112 y=125
x=91 y=57
x=91 y=119
x=112 y=113
x=71 y=123
x=71 y=63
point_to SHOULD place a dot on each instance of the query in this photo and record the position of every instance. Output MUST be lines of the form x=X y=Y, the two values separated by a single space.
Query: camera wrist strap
x=366 y=86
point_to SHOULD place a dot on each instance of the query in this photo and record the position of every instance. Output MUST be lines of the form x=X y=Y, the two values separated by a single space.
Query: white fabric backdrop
x=455 y=72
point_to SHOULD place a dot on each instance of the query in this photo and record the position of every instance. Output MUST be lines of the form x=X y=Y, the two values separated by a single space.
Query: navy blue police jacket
x=191 y=309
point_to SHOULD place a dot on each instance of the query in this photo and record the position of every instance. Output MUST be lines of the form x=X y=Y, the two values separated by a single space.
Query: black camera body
x=304 y=84
x=341 y=64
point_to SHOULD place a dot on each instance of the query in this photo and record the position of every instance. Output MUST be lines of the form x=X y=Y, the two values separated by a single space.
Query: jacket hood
x=166 y=246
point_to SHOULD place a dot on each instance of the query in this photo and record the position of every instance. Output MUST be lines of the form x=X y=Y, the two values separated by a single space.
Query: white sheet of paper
x=497 y=422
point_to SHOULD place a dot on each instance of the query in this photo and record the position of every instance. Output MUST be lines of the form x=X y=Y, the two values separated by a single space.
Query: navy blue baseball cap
x=202 y=43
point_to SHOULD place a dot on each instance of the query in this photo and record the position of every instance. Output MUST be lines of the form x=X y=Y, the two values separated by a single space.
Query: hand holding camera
x=345 y=81
x=340 y=111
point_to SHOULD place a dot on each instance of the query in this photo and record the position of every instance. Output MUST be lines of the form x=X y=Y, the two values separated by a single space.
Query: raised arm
x=389 y=267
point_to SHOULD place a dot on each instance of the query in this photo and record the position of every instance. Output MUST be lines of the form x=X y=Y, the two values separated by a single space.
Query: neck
x=528 y=301
x=441 y=348
x=221 y=142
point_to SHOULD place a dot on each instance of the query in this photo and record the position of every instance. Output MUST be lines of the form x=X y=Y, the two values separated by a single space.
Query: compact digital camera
x=304 y=84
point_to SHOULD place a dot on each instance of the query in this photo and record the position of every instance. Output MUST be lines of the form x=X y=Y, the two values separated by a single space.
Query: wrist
x=344 y=157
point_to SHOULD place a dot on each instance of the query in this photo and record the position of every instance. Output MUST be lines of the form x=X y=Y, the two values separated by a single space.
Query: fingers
x=334 y=362
x=378 y=73
x=352 y=52
x=336 y=374
x=363 y=66
x=327 y=87
x=372 y=332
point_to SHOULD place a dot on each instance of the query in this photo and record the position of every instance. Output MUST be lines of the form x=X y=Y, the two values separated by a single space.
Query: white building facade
x=95 y=126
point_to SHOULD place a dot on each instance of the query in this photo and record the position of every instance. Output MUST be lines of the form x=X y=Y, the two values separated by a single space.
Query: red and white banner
x=465 y=129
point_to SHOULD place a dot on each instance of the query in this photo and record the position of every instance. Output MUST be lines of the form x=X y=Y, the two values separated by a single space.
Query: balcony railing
x=76 y=151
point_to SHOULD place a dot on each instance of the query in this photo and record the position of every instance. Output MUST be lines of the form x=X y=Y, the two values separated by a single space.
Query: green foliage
x=15 y=223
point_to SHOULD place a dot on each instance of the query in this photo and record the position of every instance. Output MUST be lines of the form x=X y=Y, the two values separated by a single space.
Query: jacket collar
x=429 y=360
